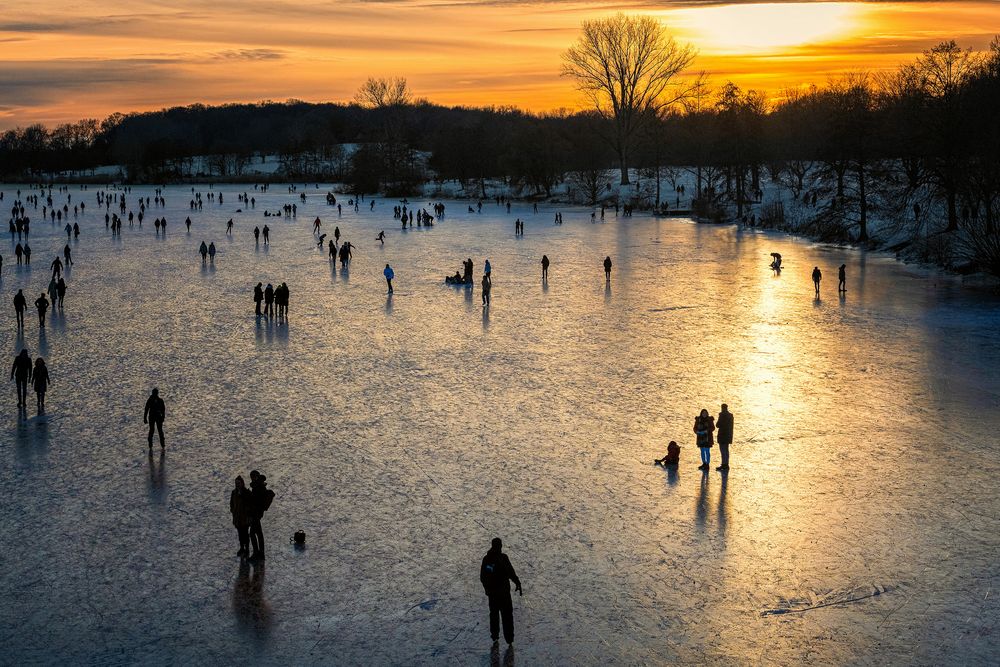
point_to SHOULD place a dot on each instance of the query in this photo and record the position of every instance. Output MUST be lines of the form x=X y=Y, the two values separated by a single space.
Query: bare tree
x=627 y=66
x=379 y=93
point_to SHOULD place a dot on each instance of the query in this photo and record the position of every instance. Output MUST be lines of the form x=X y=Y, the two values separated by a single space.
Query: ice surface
x=858 y=524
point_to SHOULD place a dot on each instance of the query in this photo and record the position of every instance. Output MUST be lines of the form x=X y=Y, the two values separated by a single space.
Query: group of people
x=817 y=277
x=272 y=297
x=708 y=430
x=247 y=506
x=24 y=373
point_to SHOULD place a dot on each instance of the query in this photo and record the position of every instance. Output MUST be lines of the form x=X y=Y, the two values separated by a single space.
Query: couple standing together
x=705 y=426
x=247 y=507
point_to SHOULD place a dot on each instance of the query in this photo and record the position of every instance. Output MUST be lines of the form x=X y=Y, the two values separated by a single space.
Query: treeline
x=917 y=150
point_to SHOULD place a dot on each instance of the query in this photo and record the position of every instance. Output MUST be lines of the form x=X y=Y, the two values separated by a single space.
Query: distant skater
x=211 y=252
x=20 y=303
x=842 y=278
x=256 y=235
x=487 y=287
x=203 y=250
x=817 y=277
x=57 y=267
x=40 y=382
x=42 y=304
x=545 y=267
x=68 y=255
x=672 y=457
x=389 y=275
x=704 y=425
x=332 y=251
x=153 y=414
x=381 y=237
x=61 y=291
x=20 y=372
x=229 y=226
x=241 y=507
x=607 y=268
x=495 y=574
x=724 y=435
x=267 y=235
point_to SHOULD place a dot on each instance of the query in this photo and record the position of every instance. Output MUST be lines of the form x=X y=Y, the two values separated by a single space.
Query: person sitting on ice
x=673 y=456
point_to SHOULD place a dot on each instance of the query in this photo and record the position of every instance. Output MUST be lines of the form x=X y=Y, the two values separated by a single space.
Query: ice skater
x=389 y=275
x=40 y=382
x=241 y=507
x=724 y=435
x=68 y=255
x=817 y=277
x=153 y=414
x=57 y=267
x=607 y=268
x=487 y=287
x=545 y=268
x=704 y=425
x=381 y=237
x=20 y=372
x=842 y=279
x=495 y=574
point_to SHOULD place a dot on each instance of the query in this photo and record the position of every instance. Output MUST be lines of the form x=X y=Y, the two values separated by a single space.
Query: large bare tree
x=379 y=93
x=628 y=68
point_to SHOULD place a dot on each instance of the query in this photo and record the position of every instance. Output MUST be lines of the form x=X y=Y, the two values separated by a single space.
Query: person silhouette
x=154 y=414
x=724 y=435
x=545 y=267
x=42 y=304
x=495 y=574
x=241 y=507
x=40 y=382
x=211 y=251
x=704 y=425
x=256 y=235
x=261 y=501
x=20 y=372
x=258 y=296
x=381 y=237
x=68 y=254
x=817 y=276
x=269 y=300
x=267 y=235
x=57 y=267
x=20 y=303
x=61 y=290
x=842 y=278
x=203 y=249
x=487 y=287
x=607 y=268
x=389 y=275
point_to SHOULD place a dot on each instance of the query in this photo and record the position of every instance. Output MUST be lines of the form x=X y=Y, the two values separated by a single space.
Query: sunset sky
x=68 y=59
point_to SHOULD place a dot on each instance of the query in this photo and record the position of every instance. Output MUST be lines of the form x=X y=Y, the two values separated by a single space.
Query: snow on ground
x=858 y=524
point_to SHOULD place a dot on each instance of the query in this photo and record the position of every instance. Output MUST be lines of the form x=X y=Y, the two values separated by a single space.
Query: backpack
x=268 y=498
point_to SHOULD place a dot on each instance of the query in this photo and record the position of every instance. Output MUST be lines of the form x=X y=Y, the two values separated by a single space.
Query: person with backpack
x=262 y=497
x=495 y=574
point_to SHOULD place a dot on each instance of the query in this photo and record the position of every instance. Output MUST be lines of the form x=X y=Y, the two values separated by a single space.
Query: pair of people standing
x=247 y=506
x=38 y=377
x=704 y=427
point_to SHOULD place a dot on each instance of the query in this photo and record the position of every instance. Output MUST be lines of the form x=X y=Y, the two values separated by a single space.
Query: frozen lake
x=859 y=522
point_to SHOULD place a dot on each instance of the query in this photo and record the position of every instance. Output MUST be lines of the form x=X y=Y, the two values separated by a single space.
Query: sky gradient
x=63 y=60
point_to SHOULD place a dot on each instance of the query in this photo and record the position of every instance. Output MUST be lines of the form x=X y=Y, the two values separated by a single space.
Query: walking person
x=704 y=425
x=495 y=574
x=817 y=277
x=68 y=254
x=241 y=507
x=389 y=275
x=42 y=304
x=724 y=435
x=20 y=372
x=61 y=291
x=545 y=268
x=40 y=382
x=153 y=414
x=20 y=303
x=607 y=268
x=842 y=279
x=57 y=267
x=487 y=288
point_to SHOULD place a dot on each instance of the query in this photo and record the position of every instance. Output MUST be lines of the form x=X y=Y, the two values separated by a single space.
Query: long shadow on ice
x=253 y=613
x=158 y=478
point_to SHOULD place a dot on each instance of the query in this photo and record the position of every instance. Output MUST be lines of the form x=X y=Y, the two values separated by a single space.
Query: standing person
x=241 y=507
x=336 y=234
x=607 y=268
x=817 y=277
x=389 y=275
x=256 y=235
x=203 y=250
x=267 y=235
x=211 y=252
x=495 y=574
x=545 y=267
x=269 y=301
x=487 y=270
x=61 y=291
x=20 y=303
x=57 y=267
x=153 y=414
x=18 y=252
x=724 y=437
x=27 y=254
x=40 y=382
x=842 y=278
x=42 y=304
x=53 y=291
x=258 y=296
x=487 y=287
x=68 y=254
x=20 y=372
x=703 y=427
x=262 y=497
